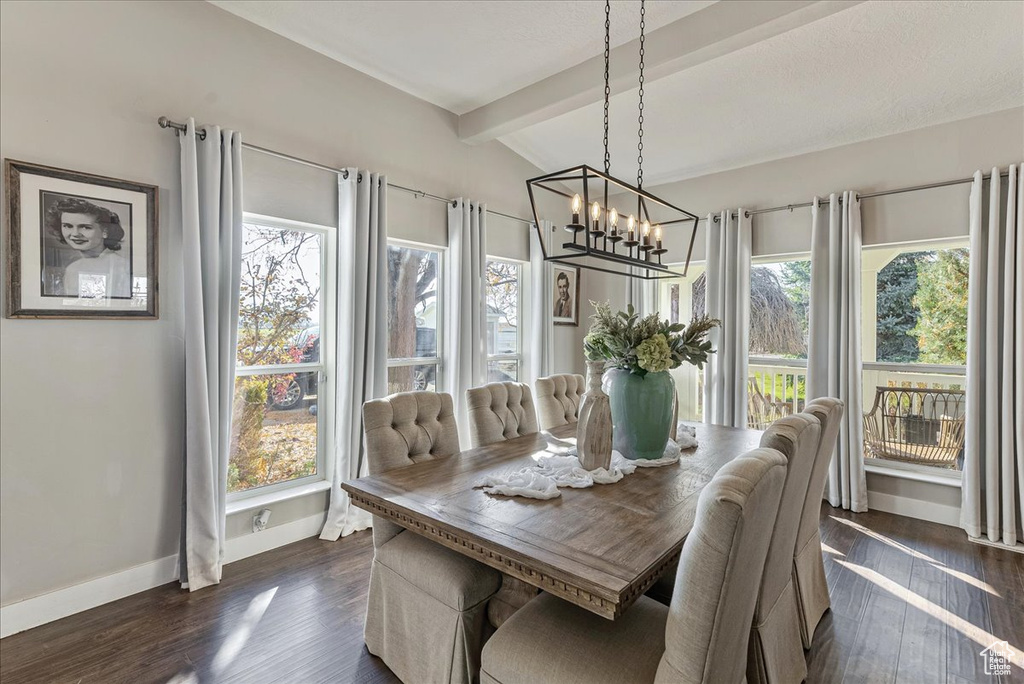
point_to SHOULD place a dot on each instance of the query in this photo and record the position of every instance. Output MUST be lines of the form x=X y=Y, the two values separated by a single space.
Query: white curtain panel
x=362 y=340
x=466 y=327
x=211 y=243
x=727 y=298
x=993 y=478
x=641 y=293
x=833 y=355
x=542 y=330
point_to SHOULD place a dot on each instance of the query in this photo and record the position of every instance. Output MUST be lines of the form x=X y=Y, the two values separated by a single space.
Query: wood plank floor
x=912 y=602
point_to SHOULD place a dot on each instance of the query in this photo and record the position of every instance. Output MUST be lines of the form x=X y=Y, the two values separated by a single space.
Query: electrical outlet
x=259 y=520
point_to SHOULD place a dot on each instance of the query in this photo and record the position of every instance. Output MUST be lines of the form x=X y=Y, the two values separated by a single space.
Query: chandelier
x=629 y=242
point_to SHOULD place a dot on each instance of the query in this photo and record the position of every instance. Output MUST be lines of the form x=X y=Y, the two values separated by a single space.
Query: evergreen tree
x=941 y=298
x=796 y=281
x=896 y=339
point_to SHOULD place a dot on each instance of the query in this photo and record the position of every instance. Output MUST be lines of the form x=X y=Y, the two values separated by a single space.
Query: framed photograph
x=79 y=245
x=566 y=305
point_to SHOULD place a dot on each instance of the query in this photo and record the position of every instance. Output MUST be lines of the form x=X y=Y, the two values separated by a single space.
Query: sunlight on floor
x=938 y=565
x=972 y=632
x=828 y=549
x=235 y=641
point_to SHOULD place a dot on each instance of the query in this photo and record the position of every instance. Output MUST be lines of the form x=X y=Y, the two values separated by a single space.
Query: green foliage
x=941 y=298
x=796 y=282
x=617 y=338
x=897 y=313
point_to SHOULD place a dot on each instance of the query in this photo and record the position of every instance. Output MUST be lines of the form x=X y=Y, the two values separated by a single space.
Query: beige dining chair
x=776 y=654
x=700 y=638
x=558 y=399
x=500 y=411
x=426 y=616
x=808 y=564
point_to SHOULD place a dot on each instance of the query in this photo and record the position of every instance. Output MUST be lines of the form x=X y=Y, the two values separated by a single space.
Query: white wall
x=92 y=418
x=928 y=155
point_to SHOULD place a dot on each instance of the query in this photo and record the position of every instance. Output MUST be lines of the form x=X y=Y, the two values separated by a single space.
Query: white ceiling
x=873 y=69
x=456 y=54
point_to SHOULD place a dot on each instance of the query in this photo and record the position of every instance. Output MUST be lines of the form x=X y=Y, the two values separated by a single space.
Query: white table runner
x=541 y=481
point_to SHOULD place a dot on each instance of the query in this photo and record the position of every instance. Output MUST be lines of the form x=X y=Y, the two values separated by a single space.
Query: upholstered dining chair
x=700 y=638
x=500 y=411
x=558 y=399
x=808 y=565
x=426 y=616
x=776 y=654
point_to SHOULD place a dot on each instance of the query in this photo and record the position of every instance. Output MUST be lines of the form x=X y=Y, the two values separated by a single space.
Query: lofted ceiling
x=458 y=55
x=728 y=84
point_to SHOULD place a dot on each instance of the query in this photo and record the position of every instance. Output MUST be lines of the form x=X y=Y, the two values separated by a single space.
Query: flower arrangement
x=646 y=345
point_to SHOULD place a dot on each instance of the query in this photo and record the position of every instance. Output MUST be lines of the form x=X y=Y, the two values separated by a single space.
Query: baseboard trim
x=985 y=541
x=39 y=610
x=251 y=544
x=914 y=508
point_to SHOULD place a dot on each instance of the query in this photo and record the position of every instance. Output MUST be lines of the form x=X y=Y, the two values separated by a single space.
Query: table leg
x=513 y=595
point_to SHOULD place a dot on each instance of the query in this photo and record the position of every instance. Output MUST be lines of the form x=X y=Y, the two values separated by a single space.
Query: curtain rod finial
x=164 y=122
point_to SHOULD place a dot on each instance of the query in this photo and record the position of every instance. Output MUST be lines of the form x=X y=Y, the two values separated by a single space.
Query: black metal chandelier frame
x=641 y=252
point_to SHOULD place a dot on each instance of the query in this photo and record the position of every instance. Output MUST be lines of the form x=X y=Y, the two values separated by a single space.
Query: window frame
x=437 y=361
x=520 y=318
x=894 y=468
x=244 y=500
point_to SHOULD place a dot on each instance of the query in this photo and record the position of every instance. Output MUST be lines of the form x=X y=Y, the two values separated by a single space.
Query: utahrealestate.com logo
x=998 y=657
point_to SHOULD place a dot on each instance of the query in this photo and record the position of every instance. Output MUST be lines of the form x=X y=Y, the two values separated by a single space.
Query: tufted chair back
x=558 y=399
x=500 y=411
x=719 y=571
x=403 y=429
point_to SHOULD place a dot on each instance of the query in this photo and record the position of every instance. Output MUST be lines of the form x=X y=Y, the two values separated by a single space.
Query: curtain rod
x=870 y=195
x=180 y=128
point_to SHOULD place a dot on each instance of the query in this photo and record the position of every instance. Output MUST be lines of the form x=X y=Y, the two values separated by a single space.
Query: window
x=680 y=299
x=277 y=438
x=777 y=373
x=914 y=343
x=415 y=321
x=504 y=344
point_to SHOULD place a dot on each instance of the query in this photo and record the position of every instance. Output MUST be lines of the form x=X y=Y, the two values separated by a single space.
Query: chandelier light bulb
x=646 y=225
x=613 y=218
x=657 y=233
x=577 y=204
x=631 y=225
x=595 y=211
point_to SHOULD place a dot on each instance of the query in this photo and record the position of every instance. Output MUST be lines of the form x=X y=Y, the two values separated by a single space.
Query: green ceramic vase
x=641 y=412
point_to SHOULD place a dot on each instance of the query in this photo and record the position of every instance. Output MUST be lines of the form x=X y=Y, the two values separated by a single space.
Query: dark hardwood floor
x=911 y=602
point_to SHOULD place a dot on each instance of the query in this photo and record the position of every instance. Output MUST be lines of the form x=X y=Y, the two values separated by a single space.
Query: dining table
x=600 y=547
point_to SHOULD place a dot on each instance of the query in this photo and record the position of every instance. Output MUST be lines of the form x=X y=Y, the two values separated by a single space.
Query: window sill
x=251 y=503
x=949 y=478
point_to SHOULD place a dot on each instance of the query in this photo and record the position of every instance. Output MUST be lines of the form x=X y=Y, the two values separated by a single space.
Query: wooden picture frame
x=78 y=245
x=570 y=275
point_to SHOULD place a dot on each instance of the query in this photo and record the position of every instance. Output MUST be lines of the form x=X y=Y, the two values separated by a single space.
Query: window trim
x=518 y=357
x=279 y=491
x=442 y=308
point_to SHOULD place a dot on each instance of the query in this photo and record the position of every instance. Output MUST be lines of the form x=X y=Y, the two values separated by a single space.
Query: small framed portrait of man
x=566 y=307
x=79 y=245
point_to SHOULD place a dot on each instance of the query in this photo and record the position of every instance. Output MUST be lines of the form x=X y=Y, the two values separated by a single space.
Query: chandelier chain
x=607 y=88
x=640 y=116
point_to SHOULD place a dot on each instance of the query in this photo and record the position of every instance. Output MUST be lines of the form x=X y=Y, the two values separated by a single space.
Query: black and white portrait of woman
x=79 y=245
x=86 y=250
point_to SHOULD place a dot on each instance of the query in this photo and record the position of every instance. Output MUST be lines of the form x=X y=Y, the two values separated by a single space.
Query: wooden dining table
x=600 y=548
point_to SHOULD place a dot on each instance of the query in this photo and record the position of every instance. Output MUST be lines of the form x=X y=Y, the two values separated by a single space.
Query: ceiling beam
x=700 y=37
